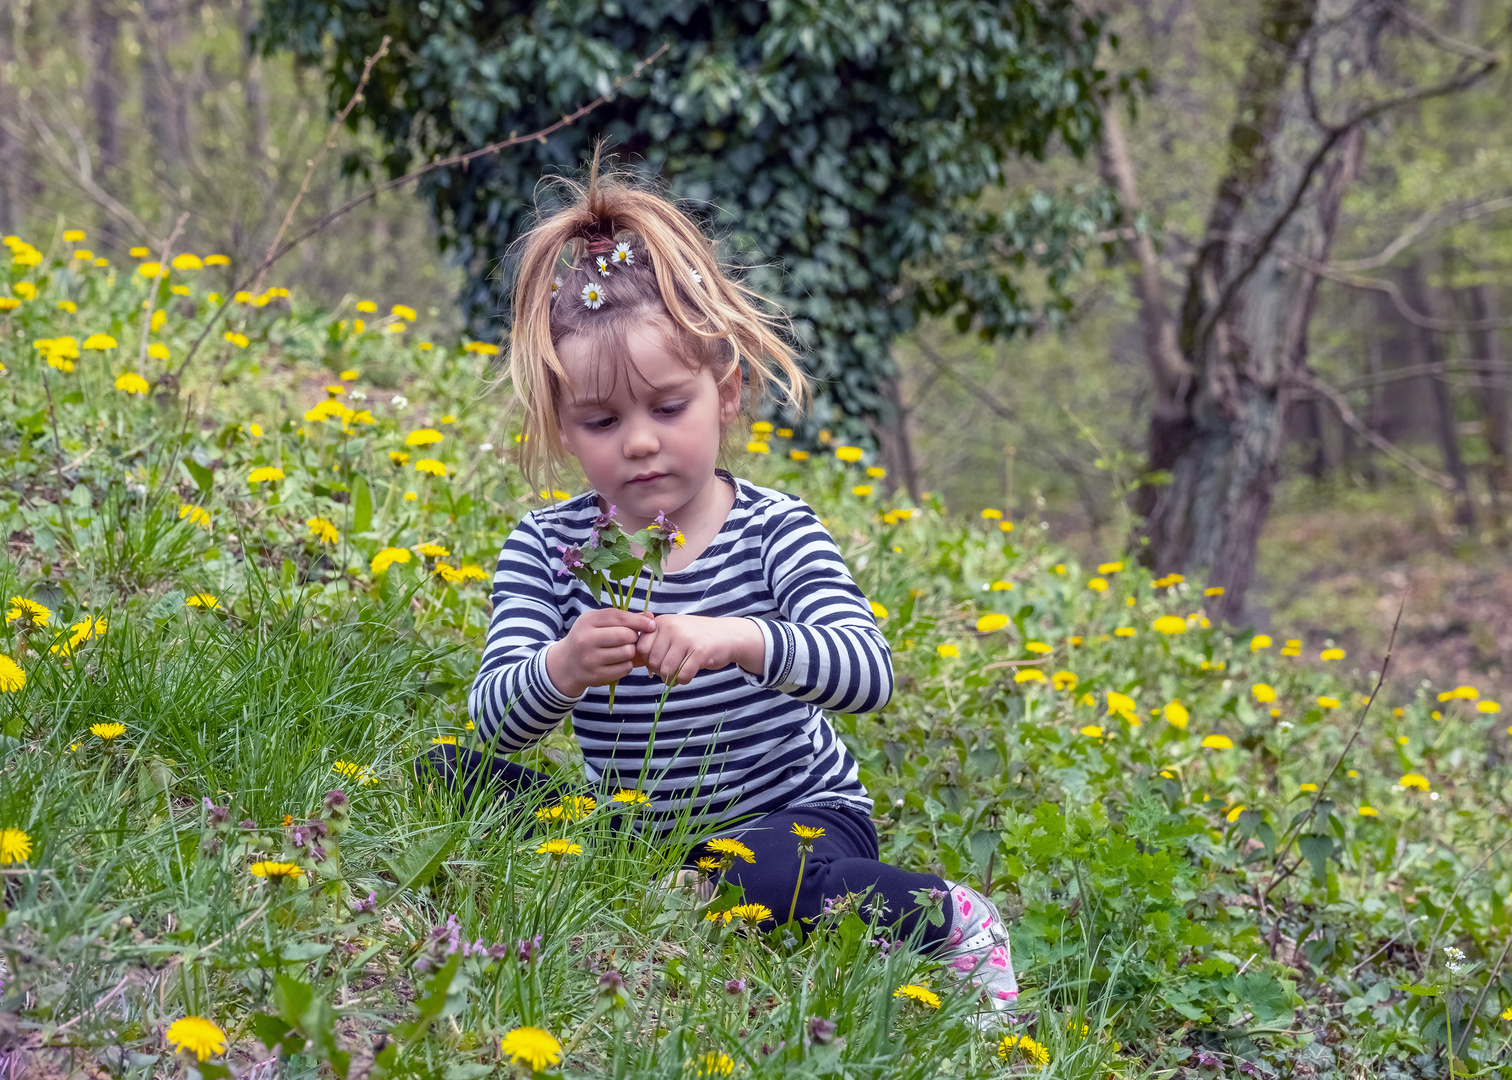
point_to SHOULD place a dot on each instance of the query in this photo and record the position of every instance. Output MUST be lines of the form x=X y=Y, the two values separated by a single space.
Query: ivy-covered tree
x=853 y=155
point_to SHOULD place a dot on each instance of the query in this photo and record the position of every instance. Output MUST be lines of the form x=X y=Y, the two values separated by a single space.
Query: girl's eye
x=601 y=424
x=673 y=410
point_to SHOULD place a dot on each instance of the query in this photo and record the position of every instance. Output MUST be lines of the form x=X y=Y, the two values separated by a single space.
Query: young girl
x=630 y=352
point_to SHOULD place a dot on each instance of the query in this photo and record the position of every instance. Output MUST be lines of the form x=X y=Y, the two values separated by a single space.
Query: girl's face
x=645 y=433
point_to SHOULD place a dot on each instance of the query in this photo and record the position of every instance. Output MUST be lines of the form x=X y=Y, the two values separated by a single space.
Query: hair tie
x=600 y=245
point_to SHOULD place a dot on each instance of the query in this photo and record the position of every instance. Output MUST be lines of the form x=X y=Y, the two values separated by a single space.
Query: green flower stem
x=802 y=861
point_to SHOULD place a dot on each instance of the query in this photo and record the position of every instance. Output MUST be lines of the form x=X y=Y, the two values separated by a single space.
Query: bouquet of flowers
x=608 y=561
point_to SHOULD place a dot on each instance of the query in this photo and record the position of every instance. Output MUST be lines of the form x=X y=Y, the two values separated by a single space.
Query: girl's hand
x=680 y=646
x=599 y=649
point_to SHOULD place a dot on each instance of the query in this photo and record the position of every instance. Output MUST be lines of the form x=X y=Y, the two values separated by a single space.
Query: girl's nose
x=640 y=438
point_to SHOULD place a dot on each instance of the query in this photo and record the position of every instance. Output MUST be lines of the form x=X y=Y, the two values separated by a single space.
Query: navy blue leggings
x=843 y=860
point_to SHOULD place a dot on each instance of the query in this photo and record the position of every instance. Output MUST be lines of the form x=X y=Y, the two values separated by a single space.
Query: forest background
x=119 y=117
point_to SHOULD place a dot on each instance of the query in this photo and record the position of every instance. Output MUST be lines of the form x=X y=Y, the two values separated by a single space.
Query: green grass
x=1177 y=903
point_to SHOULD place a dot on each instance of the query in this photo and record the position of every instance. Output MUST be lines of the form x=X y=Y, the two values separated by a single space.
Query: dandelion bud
x=821 y=1031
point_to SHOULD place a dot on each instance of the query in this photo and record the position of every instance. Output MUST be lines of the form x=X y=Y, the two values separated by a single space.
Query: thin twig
x=163 y=255
x=1295 y=830
x=1465 y=877
x=97 y=1006
x=325 y=148
x=388 y=185
x=1369 y=434
x=1459 y=1044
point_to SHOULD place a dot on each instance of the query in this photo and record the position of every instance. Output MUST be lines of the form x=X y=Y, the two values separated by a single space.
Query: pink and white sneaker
x=977 y=953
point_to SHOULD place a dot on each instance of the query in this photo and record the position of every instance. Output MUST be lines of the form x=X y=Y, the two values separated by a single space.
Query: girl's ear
x=729 y=396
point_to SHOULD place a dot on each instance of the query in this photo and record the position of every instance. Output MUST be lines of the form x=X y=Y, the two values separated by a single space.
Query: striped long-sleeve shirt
x=729 y=743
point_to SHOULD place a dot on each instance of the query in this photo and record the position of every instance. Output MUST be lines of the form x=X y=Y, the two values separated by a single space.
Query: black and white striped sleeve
x=826 y=648
x=513 y=701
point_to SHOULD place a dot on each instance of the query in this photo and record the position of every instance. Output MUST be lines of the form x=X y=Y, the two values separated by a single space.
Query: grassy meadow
x=243 y=594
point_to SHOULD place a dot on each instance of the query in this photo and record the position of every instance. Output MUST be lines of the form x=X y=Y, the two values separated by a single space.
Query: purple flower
x=526 y=948
x=246 y=823
x=1249 y=1068
x=603 y=521
x=736 y=986
x=335 y=798
x=821 y=1031
x=216 y=815
x=611 y=984
x=368 y=906
x=1206 y=1060
x=572 y=559
x=498 y=952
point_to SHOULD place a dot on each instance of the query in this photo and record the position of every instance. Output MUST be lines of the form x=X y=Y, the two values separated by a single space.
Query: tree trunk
x=897 y=444
x=1491 y=396
x=104 y=86
x=157 y=30
x=1430 y=350
x=1243 y=325
x=12 y=149
x=257 y=122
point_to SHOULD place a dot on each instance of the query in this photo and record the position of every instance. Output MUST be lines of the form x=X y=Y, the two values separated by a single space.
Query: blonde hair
x=676 y=279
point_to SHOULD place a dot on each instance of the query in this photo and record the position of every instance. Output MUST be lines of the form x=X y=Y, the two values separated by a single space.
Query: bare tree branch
x=325 y=148
x=388 y=185
x=81 y=174
x=1374 y=438
x=1435 y=219
x=1462 y=80
x=1330 y=272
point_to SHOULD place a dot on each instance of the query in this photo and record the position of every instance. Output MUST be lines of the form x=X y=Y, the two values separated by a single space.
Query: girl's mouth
x=648 y=478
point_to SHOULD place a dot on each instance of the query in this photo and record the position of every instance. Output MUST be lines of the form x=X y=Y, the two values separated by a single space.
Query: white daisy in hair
x=603 y=265
x=622 y=254
x=697 y=277
x=556 y=286
x=593 y=296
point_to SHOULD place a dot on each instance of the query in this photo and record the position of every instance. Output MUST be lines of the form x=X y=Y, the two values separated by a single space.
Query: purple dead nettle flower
x=604 y=520
x=1207 y=1060
x=366 y=907
x=526 y=948
x=335 y=798
x=572 y=559
x=1249 y=1068
x=611 y=985
x=821 y=1031
x=736 y=986
x=216 y=815
x=246 y=823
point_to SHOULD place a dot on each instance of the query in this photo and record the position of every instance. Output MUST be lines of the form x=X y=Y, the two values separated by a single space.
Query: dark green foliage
x=842 y=149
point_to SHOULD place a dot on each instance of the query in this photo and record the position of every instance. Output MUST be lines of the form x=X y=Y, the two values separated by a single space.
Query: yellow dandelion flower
x=1092 y=731
x=915 y=992
x=1169 y=624
x=1000 y=586
x=1064 y=680
x=877 y=610
x=807 y=832
x=324 y=530
x=202 y=600
x=1110 y=568
x=751 y=913
x=730 y=848
x=948 y=650
x=1490 y=708
x=27 y=611
x=716 y=1063
x=851 y=454
x=1098 y=584
x=1415 y=780
x=989 y=514
x=1120 y=703
x=132 y=383
x=266 y=474
x=73 y=236
x=25 y=290
x=187 y=261
x=990 y=622
x=558 y=848
x=197 y=515
x=1124 y=631
x=1328 y=702
x=1368 y=811
x=398 y=457
x=798 y=455
x=1234 y=812
x=100 y=342
x=388 y=557
x=1214 y=590
x=276 y=870
x=423 y=437
x=1024 y=675
x=1218 y=742
x=107 y=731
x=432 y=551
x=1176 y=714
x=403 y=311
x=1025 y=1048
x=756 y=446
x=430 y=466
x=470 y=572
x=630 y=797
x=15 y=846
x=532 y=1047
x=1039 y=648
x=1263 y=693
x=196 y=1035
